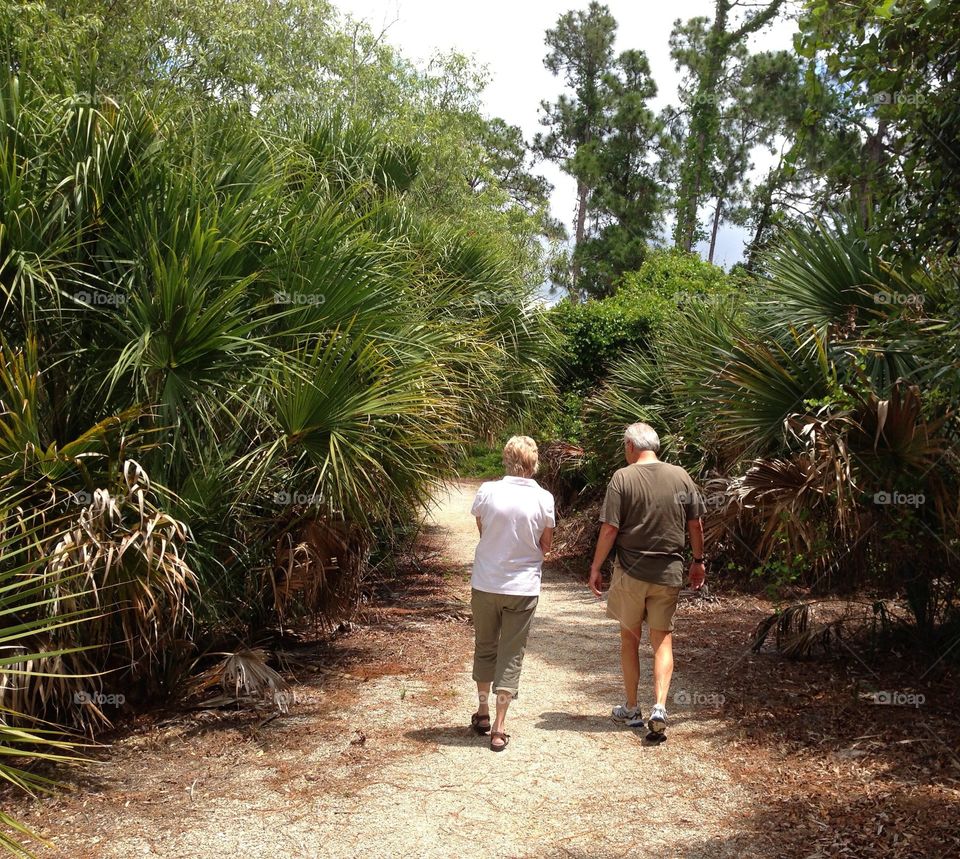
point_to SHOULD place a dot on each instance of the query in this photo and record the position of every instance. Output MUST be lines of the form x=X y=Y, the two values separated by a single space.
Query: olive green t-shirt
x=650 y=504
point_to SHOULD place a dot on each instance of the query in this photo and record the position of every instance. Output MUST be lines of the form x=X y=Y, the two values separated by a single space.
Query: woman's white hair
x=520 y=456
x=642 y=436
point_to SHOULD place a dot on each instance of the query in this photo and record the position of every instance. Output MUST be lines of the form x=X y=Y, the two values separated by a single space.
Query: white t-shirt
x=514 y=512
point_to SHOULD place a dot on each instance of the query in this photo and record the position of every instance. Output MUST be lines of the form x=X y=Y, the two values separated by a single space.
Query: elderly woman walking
x=515 y=518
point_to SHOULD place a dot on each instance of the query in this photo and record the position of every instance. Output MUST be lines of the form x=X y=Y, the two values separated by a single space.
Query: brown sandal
x=475 y=722
x=502 y=736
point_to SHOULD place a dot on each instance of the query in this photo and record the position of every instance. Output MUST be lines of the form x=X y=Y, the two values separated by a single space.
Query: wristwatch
x=699 y=560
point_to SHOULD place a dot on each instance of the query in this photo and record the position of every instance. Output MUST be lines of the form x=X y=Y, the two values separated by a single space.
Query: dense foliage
x=820 y=414
x=266 y=284
x=281 y=327
x=241 y=341
x=598 y=333
x=890 y=70
x=815 y=392
x=863 y=111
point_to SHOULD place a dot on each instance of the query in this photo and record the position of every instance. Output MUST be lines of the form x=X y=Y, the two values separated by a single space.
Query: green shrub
x=602 y=334
x=596 y=334
x=674 y=276
x=807 y=410
x=483 y=461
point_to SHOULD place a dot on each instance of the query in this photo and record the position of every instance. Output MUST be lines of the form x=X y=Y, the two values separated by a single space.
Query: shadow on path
x=447 y=735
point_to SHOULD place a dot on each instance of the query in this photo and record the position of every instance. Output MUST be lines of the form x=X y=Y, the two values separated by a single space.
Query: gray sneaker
x=623 y=713
x=658 y=720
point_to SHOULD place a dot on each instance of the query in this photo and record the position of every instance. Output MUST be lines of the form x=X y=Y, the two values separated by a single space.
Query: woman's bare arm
x=546 y=540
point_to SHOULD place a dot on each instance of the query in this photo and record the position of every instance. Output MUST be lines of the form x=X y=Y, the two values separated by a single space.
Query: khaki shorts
x=632 y=601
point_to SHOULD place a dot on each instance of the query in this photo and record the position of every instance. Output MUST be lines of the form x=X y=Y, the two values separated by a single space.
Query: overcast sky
x=508 y=38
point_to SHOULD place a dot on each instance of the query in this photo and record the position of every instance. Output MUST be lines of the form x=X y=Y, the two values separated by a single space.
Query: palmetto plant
x=259 y=291
x=30 y=615
x=248 y=312
x=115 y=560
x=814 y=412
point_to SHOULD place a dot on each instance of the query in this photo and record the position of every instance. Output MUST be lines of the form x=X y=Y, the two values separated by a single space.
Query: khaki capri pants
x=501 y=624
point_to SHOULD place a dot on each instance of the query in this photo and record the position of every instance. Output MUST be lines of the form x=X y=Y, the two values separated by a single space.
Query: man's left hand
x=698 y=574
x=595 y=582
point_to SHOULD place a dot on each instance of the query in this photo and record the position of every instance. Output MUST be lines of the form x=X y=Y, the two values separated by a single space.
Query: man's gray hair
x=642 y=436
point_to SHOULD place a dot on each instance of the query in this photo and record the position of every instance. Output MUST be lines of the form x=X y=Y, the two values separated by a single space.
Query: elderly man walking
x=649 y=508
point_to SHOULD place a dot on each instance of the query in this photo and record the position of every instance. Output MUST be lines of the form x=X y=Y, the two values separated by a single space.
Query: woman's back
x=513 y=513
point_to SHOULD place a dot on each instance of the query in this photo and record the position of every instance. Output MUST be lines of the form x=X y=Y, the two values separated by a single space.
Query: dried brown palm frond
x=778 y=504
x=132 y=555
x=318 y=567
x=894 y=441
x=576 y=533
x=560 y=469
x=120 y=562
x=245 y=677
x=804 y=629
x=246 y=674
x=817 y=502
x=822 y=637
x=561 y=454
x=798 y=635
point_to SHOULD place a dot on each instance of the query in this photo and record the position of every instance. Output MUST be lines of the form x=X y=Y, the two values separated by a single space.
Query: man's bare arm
x=608 y=536
x=698 y=572
x=479 y=526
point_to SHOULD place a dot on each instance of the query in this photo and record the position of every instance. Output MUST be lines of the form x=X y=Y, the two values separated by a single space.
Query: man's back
x=650 y=503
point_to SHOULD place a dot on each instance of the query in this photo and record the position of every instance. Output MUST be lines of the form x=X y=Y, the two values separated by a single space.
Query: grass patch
x=482 y=461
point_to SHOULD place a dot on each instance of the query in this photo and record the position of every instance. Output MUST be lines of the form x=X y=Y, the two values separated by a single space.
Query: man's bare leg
x=662 y=644
x=630 y=663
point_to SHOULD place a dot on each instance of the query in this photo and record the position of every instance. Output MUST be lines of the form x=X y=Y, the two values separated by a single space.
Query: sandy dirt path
x=572 y=782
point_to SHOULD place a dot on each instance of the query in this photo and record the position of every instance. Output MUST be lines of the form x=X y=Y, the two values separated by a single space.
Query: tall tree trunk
x=704 y=116
x=753 y=255
x=583 y=192
x=774 y=177
x=699 y=147
x=873 y=158
x=716 y=227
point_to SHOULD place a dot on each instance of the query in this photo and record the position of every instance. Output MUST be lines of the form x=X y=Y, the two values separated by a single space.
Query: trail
x=572 y=782
x=420 y=784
